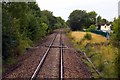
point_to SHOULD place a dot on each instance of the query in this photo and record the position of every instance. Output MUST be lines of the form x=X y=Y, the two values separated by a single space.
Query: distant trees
x=90 y=19
x=101 y=20
x=52 y=21
x=48 y=18
x=23 y=23
x=76 y=18
x=60 y=23
x=80 y=19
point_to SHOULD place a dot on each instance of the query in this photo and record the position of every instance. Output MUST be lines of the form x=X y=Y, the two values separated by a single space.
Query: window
x=105 y=26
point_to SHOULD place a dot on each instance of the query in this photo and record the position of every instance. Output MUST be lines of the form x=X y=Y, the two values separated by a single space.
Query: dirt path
x=74 y=67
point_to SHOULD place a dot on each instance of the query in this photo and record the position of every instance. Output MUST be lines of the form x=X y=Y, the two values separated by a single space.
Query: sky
x=119 y=8
x=108 y=9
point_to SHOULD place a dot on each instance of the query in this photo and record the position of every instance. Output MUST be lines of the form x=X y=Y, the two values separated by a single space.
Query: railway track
x=46 y=55
x=46 y=61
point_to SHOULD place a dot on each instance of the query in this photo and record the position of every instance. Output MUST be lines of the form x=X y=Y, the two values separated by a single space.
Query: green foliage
x=48 y=18
x=88 y=36
x=60 y=23
x=44 y=28
x=91 y=28
x=23 y=44
x=90 y=19
x=115 y=40
x=102 y=56
x=80 y=18
x=101 y=21
x=76 y=18
x=24 y=24
x=116 y=33
x=10 y=61
x=52 y=21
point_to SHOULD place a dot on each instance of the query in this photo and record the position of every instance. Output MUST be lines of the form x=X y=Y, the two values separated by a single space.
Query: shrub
x=88 y=36
x=91 y=28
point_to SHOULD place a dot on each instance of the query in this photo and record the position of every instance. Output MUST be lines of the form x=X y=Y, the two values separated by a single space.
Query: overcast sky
x=108 y=9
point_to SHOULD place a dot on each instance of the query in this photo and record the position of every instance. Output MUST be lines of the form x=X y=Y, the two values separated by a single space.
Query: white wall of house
x=105 y=28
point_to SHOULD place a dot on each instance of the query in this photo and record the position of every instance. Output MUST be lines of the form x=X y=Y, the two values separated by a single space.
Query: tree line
x=79 y=19
x=23 y=23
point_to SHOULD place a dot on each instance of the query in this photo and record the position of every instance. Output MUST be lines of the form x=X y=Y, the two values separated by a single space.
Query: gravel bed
x=27 y=67
x=74 y=67
x=50 y=68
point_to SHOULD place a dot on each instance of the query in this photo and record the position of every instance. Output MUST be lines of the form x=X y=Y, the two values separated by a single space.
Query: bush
x=91 y=28
x=88 y=36
x=22 y=29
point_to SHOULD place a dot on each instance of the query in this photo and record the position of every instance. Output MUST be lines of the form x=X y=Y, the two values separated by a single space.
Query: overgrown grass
x=103 y=56
x=9 y=62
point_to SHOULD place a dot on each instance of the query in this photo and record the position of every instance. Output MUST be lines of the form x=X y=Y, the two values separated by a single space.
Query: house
x=104 y=27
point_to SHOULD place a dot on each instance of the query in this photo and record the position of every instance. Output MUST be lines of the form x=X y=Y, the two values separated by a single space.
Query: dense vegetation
x=102 y=55
x=23 y=23
x=80 y=19
x=115 y=40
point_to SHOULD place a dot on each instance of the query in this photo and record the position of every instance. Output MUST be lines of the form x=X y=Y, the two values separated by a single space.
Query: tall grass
x=102 y=56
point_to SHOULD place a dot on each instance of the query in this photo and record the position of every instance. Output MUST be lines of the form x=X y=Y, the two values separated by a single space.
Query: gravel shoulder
x=28 y=65
x=74 y=67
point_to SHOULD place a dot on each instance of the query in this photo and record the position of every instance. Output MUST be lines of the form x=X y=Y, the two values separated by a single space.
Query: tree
x=99 y=20
x=13 y=29
x=80 y=19
x=48 y=18
x=91 y=19
x=24 y=24
x=20 y=27
x=76 y=19
x=104 y=21
x=60 y=23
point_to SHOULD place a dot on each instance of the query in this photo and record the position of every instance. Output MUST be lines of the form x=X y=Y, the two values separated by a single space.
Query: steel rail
x=92 y=65
x=42 y=60
x=61 y=57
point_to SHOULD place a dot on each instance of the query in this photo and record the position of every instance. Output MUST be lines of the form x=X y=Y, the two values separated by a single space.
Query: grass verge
x=102 y=54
